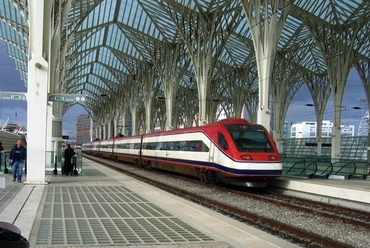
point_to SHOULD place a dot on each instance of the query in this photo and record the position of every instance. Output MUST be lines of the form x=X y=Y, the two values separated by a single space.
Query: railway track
x=356 y=220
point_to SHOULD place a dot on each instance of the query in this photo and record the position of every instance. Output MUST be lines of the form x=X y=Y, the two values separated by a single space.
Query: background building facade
x=308 y=129
x=83 y=131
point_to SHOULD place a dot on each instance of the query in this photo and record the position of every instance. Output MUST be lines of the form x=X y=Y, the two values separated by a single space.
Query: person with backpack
x=68 y=165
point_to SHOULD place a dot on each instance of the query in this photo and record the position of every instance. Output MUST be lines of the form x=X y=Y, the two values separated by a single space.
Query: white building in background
x=308 y=129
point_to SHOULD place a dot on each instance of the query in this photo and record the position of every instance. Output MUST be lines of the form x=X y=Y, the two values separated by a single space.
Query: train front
x=254 y=156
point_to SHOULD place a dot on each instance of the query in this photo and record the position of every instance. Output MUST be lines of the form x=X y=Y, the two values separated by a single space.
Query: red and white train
x=231 y=151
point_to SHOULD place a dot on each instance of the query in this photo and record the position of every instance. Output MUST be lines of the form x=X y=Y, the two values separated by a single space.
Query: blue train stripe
x=218 y=167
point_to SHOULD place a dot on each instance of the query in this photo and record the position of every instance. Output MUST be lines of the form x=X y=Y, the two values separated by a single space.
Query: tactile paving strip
x=7 y=194
x=93 y=173
x=105 y=216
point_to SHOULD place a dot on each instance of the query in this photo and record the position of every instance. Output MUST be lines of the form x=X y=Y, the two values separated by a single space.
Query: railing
x=4 y=162
x=351 y=147
x=352 y=169
x=324 y=167
x=2 y=159
x=302 y=167
x=54 y=160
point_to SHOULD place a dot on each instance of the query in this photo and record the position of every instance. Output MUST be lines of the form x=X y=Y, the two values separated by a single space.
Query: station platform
x=352 y=193
x=103 y=208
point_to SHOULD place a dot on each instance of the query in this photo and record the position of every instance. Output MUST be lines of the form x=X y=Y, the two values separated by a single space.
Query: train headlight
x=273 y=158
x=246 y=157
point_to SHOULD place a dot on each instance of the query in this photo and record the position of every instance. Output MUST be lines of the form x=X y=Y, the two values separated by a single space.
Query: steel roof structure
x=104 y=43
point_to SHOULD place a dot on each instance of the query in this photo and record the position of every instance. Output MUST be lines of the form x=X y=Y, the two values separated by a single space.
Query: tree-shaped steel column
x=284 y=85
x=337 y=44
x=363 y=69
x=266 y=19
x=320 y=89
x=204 y=31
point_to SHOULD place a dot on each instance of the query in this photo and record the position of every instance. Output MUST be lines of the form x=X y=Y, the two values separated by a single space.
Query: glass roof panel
x=18 y=62
x=16 y=53
x=99 y=84
x=160 y=19
x=330 y=11
x=78 y=72
x=9 y=11
x=103 y=13
x=289 y=32
x=10 y=35
x=103 y=72
x=236 y=51
x=120 y=43
x=94 y=82
x=133 y=15
x=114 y=36
x=104 y=39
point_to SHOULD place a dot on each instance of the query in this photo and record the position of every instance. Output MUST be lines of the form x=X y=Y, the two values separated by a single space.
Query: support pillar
x=266 y=21
x=123 y=121
x=116 y=126
x=109 y=128
x=38 y=84
x=339 y=54
x=104 y=131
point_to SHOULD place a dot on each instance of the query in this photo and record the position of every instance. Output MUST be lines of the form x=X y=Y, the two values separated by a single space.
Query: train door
x=213 y=155
x=113 y=144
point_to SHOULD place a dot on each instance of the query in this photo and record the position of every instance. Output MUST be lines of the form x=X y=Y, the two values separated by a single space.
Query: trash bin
x=10 y=236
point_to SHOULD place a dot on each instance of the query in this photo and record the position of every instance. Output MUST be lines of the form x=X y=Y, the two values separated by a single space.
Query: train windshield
x=250 y=138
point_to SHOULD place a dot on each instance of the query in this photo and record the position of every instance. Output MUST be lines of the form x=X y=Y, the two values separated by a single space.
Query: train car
x=231 y=151
x=128 y=149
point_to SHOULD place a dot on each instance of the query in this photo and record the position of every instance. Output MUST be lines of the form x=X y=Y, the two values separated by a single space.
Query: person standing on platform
x=18 y=156
x=68 y=155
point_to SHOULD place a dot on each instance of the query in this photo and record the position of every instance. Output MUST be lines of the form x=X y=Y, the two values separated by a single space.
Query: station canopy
x=104 y=42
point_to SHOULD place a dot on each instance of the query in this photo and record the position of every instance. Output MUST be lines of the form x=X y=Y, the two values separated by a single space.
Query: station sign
x=18 y=96
x=66 y=98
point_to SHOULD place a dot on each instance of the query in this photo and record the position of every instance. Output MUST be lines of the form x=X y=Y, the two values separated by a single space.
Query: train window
x=222 y=141
x=150 y=146
x=245 y=127
x=185 y=146
x=191 y=145
x=252 y=139
x=166 y=146
x=175 y=146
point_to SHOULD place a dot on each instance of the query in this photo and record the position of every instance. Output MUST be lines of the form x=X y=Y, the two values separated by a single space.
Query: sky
x=16 y=111
x=354 y=96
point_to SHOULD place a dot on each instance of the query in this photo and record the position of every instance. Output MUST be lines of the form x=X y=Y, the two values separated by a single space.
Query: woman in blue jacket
x=18 y=156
